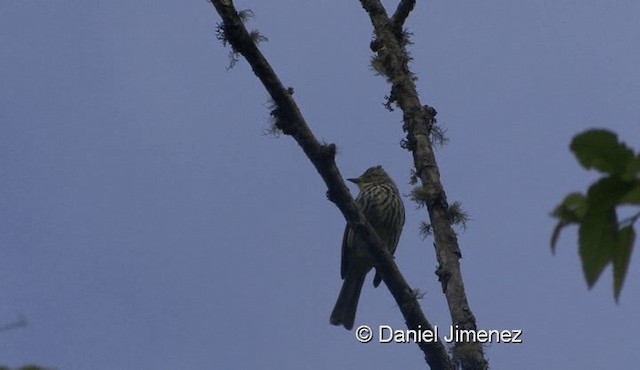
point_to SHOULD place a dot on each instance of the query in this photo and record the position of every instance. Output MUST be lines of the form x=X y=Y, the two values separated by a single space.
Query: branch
x=19 y=323
x=419 y=124
x=291 y=122
x=402 y=13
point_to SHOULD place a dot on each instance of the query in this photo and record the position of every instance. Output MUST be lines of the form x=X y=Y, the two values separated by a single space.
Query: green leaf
x=608 y=192
x=600 y=240
x=572 y=208
x=632 y=196
x=556 y=234
x=600 y=149
x=597 y=239
x=621 y=258
x=570 y=211
x=598 y=234
x=632 y=171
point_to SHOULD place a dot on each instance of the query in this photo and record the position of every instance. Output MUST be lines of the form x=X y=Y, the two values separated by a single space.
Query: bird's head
x=373 y=175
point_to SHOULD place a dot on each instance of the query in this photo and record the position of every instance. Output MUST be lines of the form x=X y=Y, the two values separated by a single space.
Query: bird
x=380 y=201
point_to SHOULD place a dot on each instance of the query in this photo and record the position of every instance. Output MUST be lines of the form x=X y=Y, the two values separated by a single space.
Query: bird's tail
x=344 y=312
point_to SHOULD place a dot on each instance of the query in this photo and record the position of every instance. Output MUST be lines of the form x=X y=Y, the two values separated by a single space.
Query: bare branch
x=19 y=323
x=393 y=62
x=291 y=122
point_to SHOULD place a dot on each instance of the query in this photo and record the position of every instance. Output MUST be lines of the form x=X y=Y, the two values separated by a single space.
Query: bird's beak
x=355 y=181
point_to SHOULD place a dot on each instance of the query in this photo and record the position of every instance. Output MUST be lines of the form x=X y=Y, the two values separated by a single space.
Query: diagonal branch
x=292 y=123
x=419 y=123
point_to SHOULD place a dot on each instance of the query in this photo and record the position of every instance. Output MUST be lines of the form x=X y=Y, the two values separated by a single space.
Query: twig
x=19 y=323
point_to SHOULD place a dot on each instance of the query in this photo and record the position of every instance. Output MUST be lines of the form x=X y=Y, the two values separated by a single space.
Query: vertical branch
x=392 y=60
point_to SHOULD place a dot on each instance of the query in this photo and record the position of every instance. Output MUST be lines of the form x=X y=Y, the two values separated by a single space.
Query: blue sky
x=147 y=221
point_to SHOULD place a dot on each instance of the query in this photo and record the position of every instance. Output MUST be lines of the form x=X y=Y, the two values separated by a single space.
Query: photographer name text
x=454 y=334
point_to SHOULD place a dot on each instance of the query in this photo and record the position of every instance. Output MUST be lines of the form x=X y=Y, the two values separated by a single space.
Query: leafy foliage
x=602 y=238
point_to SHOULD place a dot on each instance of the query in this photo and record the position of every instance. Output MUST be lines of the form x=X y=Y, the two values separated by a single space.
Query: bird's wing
x=346 y=251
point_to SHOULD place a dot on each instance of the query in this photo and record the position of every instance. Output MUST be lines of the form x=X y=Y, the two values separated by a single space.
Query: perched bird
x=380 y=201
